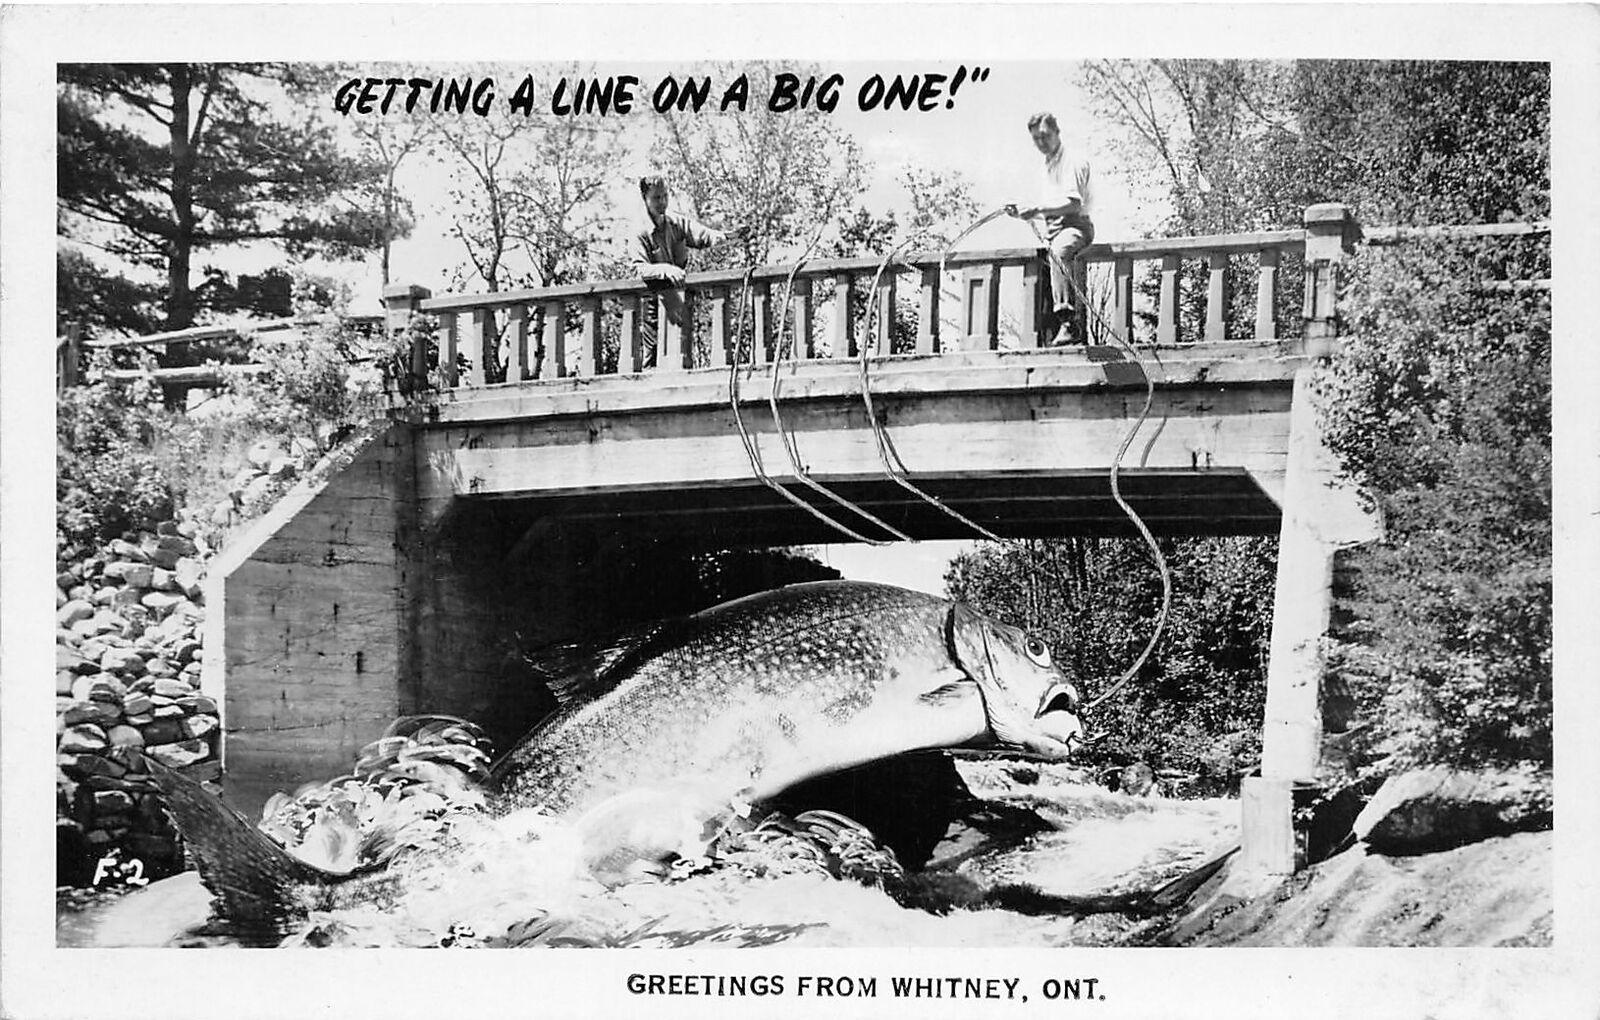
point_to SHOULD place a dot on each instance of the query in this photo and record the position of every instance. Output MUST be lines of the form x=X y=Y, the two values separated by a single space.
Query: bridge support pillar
x=1321 y=514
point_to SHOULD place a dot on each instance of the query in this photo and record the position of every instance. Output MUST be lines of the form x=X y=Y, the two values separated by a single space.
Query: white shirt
x=1066 y=177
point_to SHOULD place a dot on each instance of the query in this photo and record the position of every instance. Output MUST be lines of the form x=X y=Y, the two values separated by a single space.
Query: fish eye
x=1038 y=651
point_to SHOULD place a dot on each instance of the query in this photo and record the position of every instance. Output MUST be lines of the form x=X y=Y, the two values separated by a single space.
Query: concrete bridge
x=542 y=466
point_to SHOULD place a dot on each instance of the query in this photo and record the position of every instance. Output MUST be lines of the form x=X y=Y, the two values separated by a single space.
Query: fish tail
x=256 y=884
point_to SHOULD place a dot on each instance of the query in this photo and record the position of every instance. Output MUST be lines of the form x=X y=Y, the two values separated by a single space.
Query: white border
x=37 y=980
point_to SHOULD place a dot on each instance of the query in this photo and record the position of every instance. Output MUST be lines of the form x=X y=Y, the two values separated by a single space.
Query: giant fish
x=665 y=733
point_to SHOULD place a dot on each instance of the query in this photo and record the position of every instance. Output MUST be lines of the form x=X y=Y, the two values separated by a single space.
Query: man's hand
x=671 y=274
x=1026 y=212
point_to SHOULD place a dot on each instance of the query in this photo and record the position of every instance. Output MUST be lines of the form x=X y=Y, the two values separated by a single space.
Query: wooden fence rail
x=600 y=327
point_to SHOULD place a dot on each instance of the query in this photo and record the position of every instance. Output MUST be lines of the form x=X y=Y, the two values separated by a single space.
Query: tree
x=159 y=162
x=782 y=176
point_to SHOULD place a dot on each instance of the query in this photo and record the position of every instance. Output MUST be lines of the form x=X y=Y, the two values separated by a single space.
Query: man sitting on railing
x=1064 y=204
x=661 y=246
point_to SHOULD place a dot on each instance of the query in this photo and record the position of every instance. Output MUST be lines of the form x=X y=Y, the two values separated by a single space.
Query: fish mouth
x=1056 y=728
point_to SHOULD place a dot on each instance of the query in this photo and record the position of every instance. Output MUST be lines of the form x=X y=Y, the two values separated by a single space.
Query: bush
x=1440 y=406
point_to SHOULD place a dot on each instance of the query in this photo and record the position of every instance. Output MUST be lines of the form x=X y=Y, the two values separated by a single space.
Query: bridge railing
x=601 y=327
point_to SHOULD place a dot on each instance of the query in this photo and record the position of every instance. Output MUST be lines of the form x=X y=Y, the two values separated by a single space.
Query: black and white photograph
x=964 y=503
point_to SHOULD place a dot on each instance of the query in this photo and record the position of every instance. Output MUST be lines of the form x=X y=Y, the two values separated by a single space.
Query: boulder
x=168 y=712
x=198 y=727
x=185 y=651
x=112 y=802
x=81 y=765
x=103 y=596
x=163 y=731
x=208 y=771
x=187 y=528
x=139 y=718
x=64 y=682
x=67 y=659
x=131 y=573
x=167 y=550
x=124 y=550
x=97 y=712
x=1440 y=808
x=70 y=578
x=163 y=580
x=179 y=753
x=125 y=736
x=137 y=703
x=92 y=650
x=167 y=687
x=198 y=703
x=85 y=738
x=73 y=611
x=122 y=660
x=187 y=575
x=259 y=488
x=107 y=688
x=282 y=467
x=158 y=667
x=160 y=603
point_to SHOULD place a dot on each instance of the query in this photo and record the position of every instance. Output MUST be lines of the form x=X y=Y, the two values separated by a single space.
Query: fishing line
x=789 y=445
x=752 y=451
x=1116 y=469
x=886 y=451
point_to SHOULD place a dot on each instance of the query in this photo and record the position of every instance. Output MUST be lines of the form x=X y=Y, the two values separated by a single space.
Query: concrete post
x=1321 y=514
x=401 y=301
x=1331 y=234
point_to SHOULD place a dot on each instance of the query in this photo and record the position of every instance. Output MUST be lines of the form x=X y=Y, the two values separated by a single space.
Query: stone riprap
x=128 y=659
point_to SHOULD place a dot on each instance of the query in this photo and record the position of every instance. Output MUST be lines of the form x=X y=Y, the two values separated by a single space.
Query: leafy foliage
x=1197 y=703
x=157 y=163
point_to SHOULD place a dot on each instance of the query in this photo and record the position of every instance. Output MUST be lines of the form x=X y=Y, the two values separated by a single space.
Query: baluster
x=1122 y=299
x=449 y=338
x=804 y=348
x=630 y=351
x=483 y=346
x=980 y=289
x=1217 y=298
x=721 y=350
x=928 y=312
x=589 y=349
x=1267 y=296
x=761 y=324
x=555 y=341
x=1035 y=292
x=517 y=324
x=679 y=350
x=885 y=324
x=1167 y=321
x=844 y=336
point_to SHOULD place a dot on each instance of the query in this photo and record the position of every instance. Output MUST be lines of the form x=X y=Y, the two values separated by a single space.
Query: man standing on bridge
x=661 y=247
x=1064 y=203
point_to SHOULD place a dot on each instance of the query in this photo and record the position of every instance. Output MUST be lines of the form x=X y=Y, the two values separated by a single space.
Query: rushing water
x=518 y=883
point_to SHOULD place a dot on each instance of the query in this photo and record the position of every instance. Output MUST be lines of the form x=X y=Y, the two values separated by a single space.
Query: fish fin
x=579 y=672
x=253 y=880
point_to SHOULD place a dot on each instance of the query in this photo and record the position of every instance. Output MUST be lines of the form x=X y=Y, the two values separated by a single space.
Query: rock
x=186 y=651
x=187 y=575
x=122 y=549
x=169 y=688
x=128 y=757
x=103 y=596
x=67 y=580
x=67 y=659
x=1439 y=808
x=73 y=611
x=128 y=599
x=122 y=660
x=163 y=730
x=161 y=602
x=221 y=514
x=139 y=718
x=187 y=528
x=85 y=630
x=198 y=703
x=137 y=703
x=131 y=573
x=92 y=650
x=198 y=727
x=159 y=667
x=97 y=712
x=179 y=753
x=64 y=682
x=81 y=765
x=163 y=580
x=82 y=739
x=107 y=688
x=168 y=712
x=125 y=736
